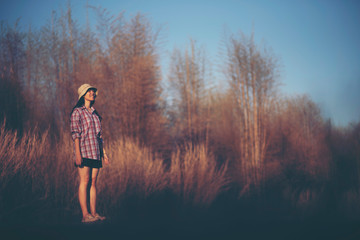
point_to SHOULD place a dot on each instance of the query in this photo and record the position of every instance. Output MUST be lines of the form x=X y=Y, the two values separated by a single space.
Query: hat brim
x=86 y=90
x=92 y=88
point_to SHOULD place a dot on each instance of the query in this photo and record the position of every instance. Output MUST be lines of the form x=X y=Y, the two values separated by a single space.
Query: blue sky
x=317 y=42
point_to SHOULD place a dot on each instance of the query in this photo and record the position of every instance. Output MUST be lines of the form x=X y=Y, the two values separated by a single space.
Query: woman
x=88 y=148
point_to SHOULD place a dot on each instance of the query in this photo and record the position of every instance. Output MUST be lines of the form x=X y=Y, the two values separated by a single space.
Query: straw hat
x=84 y=88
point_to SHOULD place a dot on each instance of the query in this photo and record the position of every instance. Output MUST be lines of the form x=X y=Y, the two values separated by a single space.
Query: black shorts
x=93 y=163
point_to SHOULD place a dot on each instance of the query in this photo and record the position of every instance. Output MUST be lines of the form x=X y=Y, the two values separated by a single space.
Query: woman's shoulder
x=79 y=108
x=76 y=111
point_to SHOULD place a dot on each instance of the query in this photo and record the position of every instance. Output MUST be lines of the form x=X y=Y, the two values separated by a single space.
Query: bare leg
x=94 y=175
x=84 y=174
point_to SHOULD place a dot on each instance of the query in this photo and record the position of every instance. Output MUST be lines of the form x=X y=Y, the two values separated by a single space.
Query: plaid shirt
x=86 y=126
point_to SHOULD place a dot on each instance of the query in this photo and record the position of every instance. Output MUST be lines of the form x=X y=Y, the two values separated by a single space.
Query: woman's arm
x=76 y=131
x=106 y=159
x=78 y=158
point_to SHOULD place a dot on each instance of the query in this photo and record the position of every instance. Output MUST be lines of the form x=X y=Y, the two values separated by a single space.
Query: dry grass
x=22 y=176
x=132 y=170
x=23 y=156
x=33 y=172
x=192 y=175
x=195 y=176
x=38 y=178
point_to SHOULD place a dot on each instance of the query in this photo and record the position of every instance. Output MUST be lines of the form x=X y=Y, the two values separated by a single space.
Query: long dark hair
x=81 y=103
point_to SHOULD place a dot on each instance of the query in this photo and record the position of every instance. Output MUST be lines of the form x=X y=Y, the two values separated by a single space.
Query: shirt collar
x=92 y=109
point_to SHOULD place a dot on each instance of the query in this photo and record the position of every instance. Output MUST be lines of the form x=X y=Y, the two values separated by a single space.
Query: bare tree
x=127 y=67
x=12 y=65
x=252 y=75
x=187 y=78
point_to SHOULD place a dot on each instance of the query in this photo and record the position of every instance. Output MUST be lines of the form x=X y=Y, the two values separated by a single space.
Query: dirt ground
x=189 y=227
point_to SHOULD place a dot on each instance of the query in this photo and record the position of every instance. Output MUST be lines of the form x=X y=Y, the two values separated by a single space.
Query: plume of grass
x=133 y=170
x=24 y=172
x=195 y=176
x=8 y=168
x=33 y=171
x=65 y=175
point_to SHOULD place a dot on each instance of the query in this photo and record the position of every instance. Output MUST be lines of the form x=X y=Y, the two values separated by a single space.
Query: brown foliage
x=303 y=137
x=60 y=57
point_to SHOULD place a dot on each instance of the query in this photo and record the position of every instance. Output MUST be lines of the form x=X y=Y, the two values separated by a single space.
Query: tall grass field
x=139 y=190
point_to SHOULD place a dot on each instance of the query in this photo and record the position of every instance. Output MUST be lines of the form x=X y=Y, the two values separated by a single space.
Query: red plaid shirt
x=86 y=126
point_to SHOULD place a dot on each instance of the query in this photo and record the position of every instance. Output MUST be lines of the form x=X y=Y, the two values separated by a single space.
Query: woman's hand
x=78 y=159
x=106 y=159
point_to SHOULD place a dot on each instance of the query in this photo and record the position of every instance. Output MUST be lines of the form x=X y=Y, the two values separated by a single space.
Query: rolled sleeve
x=75 y=125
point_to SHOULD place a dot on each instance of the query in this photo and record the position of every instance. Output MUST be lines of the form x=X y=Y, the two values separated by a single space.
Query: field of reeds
x=39 y=188
x=39 y=181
